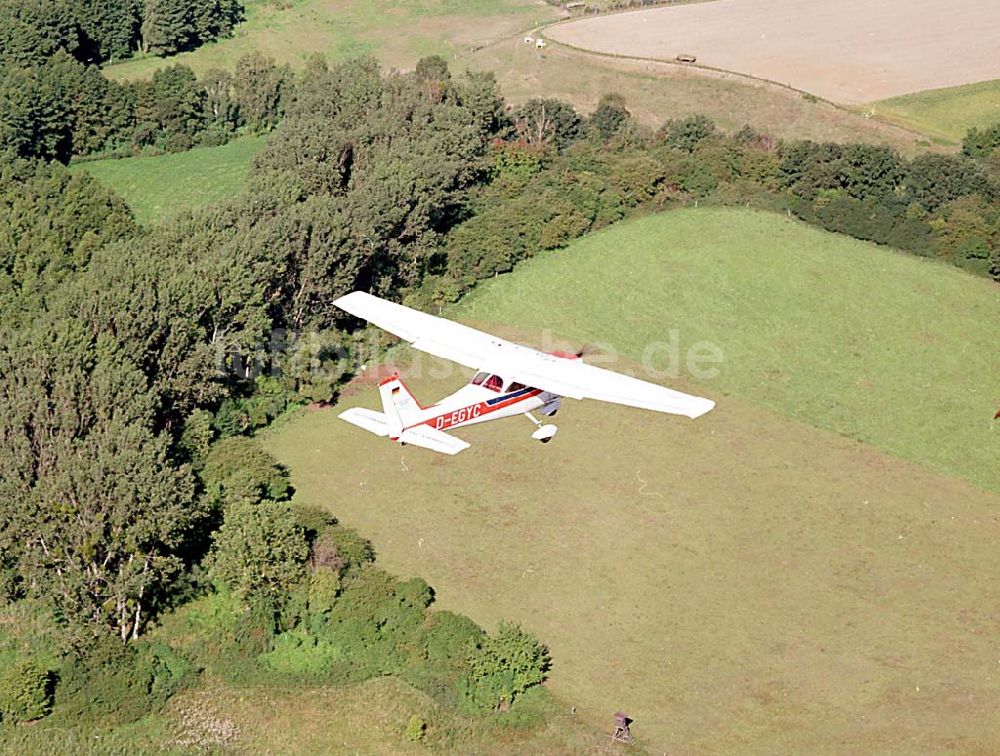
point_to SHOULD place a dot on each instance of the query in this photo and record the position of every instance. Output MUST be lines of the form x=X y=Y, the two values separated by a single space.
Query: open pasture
x=852 y=51
x=876 y=345
x=746 y=582
x=164 y=186
x=398 y=34
x=945 y=114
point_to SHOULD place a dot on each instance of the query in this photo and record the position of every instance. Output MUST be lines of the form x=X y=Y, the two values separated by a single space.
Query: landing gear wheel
x=544 y=433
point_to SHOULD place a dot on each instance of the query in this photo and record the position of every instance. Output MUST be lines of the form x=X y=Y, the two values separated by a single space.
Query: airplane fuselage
x=476 y=404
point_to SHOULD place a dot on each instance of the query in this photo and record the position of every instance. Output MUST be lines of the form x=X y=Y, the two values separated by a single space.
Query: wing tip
x=705 y=406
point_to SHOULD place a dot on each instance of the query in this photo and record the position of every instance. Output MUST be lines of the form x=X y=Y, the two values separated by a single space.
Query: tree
x=981 y=143
x=94 y=510
x=258 y=88
x=260 y=552
x=933 y=180
x=32 y=31
x=51 y=222
x=174 y=105
x=545 y=122
x=609 y=116
x=807 y=167
x=166 y=26
x=220 y=107
x=686 y=133
x=212 y=19
x=109 y=30
x=869 y=171
x=238 y=469
x=34 y=113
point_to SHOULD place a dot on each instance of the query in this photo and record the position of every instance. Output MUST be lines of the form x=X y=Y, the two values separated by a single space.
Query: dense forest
x=98 y=31
x=136 y=362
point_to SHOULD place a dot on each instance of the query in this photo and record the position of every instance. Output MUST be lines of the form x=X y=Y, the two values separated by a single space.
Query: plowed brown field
x=849 y=51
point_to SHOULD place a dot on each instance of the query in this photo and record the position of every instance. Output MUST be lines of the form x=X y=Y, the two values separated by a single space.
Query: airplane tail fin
x=401 y=409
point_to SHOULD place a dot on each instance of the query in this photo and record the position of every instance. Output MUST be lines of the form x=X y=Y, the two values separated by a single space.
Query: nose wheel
x=544 y=433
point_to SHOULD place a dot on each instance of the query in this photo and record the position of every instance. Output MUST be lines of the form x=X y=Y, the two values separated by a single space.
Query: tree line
x=63 y=109
x=101 y=31
x=134 y=494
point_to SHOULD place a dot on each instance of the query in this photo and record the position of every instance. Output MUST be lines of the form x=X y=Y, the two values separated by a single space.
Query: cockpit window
x=494 y=383
x=478 y=378
x=515 y=386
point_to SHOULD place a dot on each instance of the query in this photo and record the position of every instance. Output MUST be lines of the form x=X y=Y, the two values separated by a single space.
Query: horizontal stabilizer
x=435 y=440
x=370 y=420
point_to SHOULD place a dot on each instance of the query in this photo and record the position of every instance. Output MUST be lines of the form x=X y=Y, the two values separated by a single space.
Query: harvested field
x=656 y=91
x=851 y=51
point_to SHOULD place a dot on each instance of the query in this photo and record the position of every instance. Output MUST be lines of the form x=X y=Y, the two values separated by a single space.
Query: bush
x=415 y=729
x=300 y=655
x=376 y=619
x=450 y=638
x=260 y=552
x=503 y=667
x=25 y=691
x=119 y=682
x=324 y=586
x=439 y=658
x=238 y=470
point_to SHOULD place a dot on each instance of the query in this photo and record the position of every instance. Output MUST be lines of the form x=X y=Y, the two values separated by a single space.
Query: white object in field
x=540 y=43
x=529 y=40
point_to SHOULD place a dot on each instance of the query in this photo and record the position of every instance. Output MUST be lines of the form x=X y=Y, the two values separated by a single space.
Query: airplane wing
x=481 y=351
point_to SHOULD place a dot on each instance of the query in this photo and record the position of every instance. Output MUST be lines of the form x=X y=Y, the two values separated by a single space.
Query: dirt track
x=849 y=51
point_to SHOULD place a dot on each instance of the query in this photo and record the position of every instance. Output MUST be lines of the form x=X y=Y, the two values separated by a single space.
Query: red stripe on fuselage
x=473 y=412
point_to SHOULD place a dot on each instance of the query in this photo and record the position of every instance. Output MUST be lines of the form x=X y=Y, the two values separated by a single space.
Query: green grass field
x=945 y=114
x=162 y=187
x=746 y=582
x=873 y=344
x=398 y=33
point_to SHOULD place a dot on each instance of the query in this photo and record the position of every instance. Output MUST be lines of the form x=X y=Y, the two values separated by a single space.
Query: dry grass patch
x=656 y=92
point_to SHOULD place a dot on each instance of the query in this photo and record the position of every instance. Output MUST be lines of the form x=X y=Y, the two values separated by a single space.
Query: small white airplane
x=510 y=380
